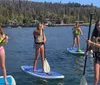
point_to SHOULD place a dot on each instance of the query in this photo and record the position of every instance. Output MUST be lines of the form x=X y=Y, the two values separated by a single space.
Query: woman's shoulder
x=35 y=31
x=79 y=28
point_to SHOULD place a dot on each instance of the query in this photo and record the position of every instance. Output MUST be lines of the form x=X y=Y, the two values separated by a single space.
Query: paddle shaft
x=84 y=37
x=44 y=43
x=87 y=44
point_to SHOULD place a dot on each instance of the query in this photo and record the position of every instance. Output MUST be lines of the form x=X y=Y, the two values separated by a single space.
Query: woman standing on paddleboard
x=39 y=39
x=76 y=36
x=95 y=46
x=3 y=40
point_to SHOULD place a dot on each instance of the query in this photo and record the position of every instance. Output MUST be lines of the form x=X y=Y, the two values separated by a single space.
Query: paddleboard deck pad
x=74 y=51
x=10 y=80
x=39 y=73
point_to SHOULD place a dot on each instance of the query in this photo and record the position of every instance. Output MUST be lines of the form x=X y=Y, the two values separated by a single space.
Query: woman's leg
x=96 y=73
x=74 y=42
x=78 y=42
x=2 y=64
x=37 y=53
x=42 y=55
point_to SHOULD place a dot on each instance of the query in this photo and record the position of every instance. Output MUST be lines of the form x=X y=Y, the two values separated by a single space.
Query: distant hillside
x=24 y=11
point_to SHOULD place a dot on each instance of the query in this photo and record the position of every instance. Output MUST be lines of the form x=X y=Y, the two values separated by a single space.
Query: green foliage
x=28 y=11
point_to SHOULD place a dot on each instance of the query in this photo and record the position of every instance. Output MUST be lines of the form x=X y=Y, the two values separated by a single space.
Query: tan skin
x=39 y=50
x=76 y=38
x=96 y=65
x=2 y=56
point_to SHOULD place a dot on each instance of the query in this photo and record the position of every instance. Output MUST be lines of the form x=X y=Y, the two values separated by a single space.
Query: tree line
x=28 y=12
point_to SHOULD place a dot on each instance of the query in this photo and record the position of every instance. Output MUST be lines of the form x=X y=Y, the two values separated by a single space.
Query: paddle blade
x=46 y=66
x=83 y=81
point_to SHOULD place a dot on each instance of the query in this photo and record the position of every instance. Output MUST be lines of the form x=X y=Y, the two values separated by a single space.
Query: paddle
x=83 y=80
x=46 y=64
x=84 y=37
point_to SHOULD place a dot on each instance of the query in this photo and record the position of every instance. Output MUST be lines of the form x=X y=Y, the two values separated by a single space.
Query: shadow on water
x=48 y=82
x=37 y=81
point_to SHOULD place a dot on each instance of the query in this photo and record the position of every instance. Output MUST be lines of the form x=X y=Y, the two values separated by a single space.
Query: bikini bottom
x=96 y=56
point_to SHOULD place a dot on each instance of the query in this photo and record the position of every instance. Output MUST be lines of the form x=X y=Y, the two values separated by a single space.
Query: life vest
x=76 y=31
x=2 y=41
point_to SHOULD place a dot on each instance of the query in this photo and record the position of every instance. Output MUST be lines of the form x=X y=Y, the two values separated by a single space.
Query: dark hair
x=95 y=31
x=77 y=24
x=1 y=31
x=38 y=26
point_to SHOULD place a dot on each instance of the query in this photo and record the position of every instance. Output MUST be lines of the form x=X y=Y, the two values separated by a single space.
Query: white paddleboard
x=39 y=73
x=74 y=51
x=10 y=80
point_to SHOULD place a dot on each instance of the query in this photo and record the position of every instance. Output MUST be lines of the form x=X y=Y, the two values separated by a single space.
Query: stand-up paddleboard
x=74 y=51
x=39 y=73
x=10 y=80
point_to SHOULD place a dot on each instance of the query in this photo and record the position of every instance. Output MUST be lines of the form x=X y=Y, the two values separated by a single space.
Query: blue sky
x=95 y=2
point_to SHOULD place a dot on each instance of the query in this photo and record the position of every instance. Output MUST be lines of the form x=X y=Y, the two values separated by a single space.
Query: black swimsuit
x=96 y=56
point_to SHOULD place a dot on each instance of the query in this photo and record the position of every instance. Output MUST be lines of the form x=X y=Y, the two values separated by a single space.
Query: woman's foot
x=34 y=69
x=79 y=50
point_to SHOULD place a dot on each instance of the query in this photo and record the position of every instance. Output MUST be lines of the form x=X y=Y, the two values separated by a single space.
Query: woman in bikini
x=39 y=39
x=94 y=44
x=3 y=40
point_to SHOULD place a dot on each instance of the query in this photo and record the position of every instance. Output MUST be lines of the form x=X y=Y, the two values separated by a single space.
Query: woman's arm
x=45 y=39
x=80 y=30
x=36 y=32
x=93 y=44
x=6 y=38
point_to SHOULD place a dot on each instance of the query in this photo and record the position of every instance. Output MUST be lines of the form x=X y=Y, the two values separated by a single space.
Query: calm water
x=20 y=51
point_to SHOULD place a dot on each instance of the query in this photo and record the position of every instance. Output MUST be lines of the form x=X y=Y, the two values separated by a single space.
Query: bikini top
x=39 y=38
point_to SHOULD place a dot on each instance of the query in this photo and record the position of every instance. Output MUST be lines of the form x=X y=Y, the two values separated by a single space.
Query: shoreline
x=52 y=25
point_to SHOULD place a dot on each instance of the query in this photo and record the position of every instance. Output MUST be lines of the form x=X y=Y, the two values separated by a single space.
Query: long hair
x=1 y=31
x=38 y=26
x=95 y=31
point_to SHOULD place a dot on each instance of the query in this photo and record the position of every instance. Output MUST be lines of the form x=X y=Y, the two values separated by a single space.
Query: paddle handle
x=87 y=44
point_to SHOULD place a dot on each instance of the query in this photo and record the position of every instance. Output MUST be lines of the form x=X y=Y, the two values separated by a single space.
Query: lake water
x=20 y=51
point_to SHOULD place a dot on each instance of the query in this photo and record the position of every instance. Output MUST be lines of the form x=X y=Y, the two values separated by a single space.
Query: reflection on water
x=79 y=63
x=40 y=82
x=48 y=82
